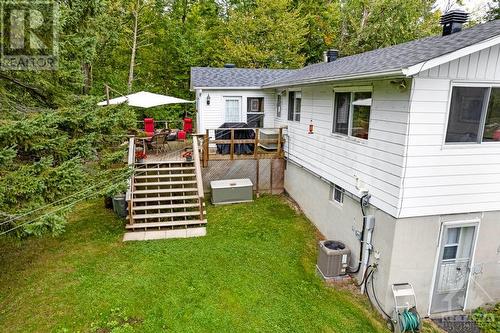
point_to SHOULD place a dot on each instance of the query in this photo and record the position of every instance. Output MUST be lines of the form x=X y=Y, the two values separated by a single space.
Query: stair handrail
x=131 y=164
x=199 y=179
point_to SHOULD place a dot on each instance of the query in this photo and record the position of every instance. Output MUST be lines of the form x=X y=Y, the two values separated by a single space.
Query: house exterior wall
x=415 y=250
x=375 y=164
x=212 y=116
x=337 y=221
x=449 y=179
x=407 y=248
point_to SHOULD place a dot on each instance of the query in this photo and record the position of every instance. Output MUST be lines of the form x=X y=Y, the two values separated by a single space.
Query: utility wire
x=49 y=213
x=55 y=202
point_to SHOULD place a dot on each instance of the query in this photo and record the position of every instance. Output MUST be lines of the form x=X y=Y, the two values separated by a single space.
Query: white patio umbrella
x=145 y=99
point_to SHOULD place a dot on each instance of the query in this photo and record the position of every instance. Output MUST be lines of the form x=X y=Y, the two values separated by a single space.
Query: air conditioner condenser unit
x=333 y=258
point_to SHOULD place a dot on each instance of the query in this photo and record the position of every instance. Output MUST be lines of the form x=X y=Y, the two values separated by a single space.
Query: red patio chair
x=149 y=126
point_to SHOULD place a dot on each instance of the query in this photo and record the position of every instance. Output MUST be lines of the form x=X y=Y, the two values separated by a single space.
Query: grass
x=253 y=272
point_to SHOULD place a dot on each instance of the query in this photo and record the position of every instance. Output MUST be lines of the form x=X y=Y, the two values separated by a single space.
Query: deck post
x=279 y=141
x=205 y=148
x=271 y=175
x=257 y=169
x=232 y=144
x=256 y=147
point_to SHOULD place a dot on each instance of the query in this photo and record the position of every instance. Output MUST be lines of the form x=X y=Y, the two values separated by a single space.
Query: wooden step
x=174 y=206
x=172 y=198
x=182 y=182
x=164 y=169
x=166 y=175
x=165 y=190
x=165 y=215
x=164 y=224
x=146 y=163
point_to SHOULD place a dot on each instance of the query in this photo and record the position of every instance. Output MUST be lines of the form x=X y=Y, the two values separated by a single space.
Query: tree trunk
x=134 y=48
x=87 y=77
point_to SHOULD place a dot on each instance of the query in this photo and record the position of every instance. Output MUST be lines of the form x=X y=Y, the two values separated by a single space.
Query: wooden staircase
x=166 y=200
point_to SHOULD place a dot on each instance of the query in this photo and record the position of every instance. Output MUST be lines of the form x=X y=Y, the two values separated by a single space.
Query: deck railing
x=261 y=146
x=199 y=179
x=131 y=164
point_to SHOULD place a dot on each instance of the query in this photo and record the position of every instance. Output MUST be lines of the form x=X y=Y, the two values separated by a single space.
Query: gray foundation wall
x=337 y=221
x=407 y=248
x=416 y=246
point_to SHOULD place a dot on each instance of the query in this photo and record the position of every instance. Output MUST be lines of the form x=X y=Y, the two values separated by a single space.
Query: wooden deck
x=210 y=142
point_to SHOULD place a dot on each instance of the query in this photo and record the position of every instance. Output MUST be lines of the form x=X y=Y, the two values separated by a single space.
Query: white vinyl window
x=294 y=105
x=352 y=113
x=474 y=115
x=278 y=105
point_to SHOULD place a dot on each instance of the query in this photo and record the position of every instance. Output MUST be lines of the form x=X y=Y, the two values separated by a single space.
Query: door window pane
x=492 y=125
x=342 y=108
x=465 y=114
x=361 y=114
x=232 y=110
x=450 y=252
x=453 y=235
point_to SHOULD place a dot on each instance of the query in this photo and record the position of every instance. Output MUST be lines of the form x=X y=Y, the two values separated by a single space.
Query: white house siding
x=375 y=164
x=448 y=179
x=212 y=116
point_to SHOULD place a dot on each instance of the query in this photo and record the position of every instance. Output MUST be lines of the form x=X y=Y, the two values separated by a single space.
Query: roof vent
x=452 y=21
x=229 y=66
x=331 y=55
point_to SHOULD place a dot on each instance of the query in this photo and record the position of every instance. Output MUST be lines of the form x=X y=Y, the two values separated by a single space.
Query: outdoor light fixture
x=208 y=100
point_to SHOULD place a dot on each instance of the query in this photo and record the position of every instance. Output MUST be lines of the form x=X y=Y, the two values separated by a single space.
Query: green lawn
x=253 y=272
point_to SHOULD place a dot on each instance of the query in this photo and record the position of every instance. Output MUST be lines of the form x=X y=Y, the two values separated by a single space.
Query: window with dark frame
x=352 y=113
x=278 y=105
x=291 y=102
x=255 y=112
x=474 y=115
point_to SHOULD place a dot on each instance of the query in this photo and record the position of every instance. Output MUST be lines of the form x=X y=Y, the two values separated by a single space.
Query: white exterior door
x=232 y=109
x=457 y=246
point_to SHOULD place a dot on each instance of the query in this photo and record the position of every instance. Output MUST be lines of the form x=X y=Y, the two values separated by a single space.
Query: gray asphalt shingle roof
x=389 y=59
x=234 y=77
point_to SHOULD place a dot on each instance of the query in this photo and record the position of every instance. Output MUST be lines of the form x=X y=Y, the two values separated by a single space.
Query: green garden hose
x=409 y=321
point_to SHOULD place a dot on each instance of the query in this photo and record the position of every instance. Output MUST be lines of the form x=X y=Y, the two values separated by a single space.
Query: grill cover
x=240 y=148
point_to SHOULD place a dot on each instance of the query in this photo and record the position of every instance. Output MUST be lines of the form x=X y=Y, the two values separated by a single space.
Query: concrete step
x=164 y=224
x=180 y=232
x=182 y=182
x=171 y=198
x=173 y=206
x=165 y=190
x=166 y=215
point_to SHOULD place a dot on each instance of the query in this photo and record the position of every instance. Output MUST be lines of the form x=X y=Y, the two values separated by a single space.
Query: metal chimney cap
x=455 y=16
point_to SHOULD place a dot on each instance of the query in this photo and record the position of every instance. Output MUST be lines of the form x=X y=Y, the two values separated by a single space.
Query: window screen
x=492 y=123
x=361 y=107
x=342 y=110
x=466 y=109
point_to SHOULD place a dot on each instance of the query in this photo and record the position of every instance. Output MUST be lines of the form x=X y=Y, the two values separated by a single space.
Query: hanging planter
x=140 y=156
x=188 y=155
